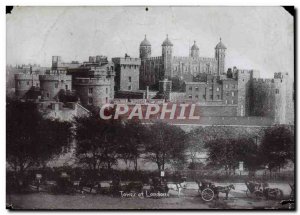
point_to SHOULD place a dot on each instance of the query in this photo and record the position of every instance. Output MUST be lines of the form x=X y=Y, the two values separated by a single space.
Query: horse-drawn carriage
x=259 y=190
x=208 y=190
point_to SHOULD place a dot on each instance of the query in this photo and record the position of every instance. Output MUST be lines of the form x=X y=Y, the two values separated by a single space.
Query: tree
x=31 y=139
x=196 y=142
x=177 y=85
x=228 y=152
x=165 y=144
x=133 y=137
x=277 y=146
x=97 y=142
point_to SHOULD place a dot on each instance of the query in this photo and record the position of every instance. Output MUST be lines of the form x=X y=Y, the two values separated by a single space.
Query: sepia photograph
x=150 y=108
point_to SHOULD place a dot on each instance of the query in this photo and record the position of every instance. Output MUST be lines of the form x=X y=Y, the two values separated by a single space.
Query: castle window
x=56 y=85
x=106 y=90
x=218 y=96
x=196 y=96
x=277 y=91
x=129 y=87
x=232 y=93
x=27 y=82
x=47 y=95
x=197 y=88
x=90 y=90
x=129 y=78
x=66 y=87
x=218 y=89
x=37 y=84
x=90 y=100
x=190 y=96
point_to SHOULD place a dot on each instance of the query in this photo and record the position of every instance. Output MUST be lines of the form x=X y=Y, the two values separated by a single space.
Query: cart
x=259 y=190
x=206 y=190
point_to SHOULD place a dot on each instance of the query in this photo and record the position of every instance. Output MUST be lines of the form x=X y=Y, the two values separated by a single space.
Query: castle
x=167 y=66
x=201 y=80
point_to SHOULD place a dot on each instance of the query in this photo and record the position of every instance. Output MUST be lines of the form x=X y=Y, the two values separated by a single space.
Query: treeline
x=33 y=141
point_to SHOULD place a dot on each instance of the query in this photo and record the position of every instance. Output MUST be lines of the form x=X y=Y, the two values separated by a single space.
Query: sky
x=260 y=38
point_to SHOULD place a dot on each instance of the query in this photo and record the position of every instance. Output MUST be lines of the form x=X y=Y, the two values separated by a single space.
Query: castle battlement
x=209 y=59
x=91 y=81
x=280 y=75
x=127 y=61
x=26 y=76
x=154 y=58
x=180 y=58
x=244 y=71
x=263 y=80
x=55 y=77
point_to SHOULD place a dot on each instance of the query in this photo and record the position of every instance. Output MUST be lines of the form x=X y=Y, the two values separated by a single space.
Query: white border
x=3 y=3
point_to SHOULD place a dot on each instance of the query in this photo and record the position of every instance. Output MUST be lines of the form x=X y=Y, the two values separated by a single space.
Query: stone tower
x=220 y=56
x=145 y=49
x=194 y=51
x=167 y=49
x=283 y=103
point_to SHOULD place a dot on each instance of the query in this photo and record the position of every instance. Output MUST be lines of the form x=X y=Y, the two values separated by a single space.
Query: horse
x=223 y=189
x=178 y=186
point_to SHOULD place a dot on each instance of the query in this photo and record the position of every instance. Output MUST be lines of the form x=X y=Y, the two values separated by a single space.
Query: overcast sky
x=256 y=37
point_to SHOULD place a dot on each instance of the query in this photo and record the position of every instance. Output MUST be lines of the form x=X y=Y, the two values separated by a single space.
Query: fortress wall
x=263 y=98
x=218 y=110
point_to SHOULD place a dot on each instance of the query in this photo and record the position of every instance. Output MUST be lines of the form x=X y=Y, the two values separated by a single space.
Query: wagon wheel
x=258 y=194
x=274 y=194
x=207 y=194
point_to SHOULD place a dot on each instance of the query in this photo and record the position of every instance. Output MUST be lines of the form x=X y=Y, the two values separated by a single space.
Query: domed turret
x=167 y=42
x=145 y=49
x=220 y=56
x=145 y=42
x=195 y=47
x=167 y=49
x=220 y=45
x=195 y=50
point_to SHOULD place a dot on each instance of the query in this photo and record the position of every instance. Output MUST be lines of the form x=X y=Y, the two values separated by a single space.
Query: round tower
x=52 y=82
x=167 y=49
x=145 y=49
x=194 y=51
x=24 y=82
x=220 y=56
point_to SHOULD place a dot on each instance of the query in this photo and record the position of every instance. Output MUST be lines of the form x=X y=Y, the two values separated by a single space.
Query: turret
x=194 y=51
x=220 y=56
x=145 y=49
x=167 y=49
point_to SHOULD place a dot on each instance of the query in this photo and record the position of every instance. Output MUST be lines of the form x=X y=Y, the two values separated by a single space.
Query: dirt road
x=189 y=199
